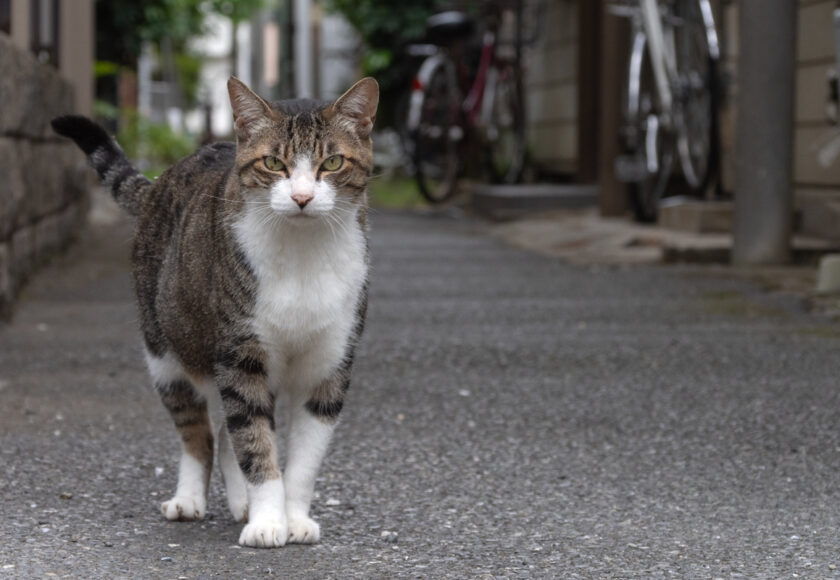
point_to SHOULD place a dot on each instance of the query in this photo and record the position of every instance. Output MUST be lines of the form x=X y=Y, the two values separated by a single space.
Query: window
x=44 y=28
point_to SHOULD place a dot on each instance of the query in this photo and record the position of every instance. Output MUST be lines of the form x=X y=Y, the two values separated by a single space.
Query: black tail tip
x=87 y=134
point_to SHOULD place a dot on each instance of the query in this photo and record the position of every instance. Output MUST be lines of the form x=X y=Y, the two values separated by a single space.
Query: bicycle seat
x=444 y=27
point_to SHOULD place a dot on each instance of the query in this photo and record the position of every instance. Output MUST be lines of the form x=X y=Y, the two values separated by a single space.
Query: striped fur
x=241 y=286
x=128 y=185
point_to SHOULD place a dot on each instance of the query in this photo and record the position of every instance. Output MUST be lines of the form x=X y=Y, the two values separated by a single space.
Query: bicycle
x=451 y=112
x=671 y=100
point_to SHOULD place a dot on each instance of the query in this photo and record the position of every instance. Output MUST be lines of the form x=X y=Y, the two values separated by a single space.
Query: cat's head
x=304 y=160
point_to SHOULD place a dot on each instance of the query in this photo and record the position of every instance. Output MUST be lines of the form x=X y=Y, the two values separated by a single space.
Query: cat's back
x=205 y=171
x=191 y=186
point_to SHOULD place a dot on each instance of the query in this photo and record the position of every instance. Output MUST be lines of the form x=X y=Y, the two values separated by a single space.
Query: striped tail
x=128 y=185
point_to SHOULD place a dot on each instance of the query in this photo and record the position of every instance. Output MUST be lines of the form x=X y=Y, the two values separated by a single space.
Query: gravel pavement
x=511 y=416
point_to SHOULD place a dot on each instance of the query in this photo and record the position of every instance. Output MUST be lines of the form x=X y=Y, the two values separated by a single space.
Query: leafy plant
x=153 y=146
x=385 y=31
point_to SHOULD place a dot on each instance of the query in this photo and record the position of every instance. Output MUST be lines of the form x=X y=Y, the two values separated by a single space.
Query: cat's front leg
x=248 y=405
x=313 y=421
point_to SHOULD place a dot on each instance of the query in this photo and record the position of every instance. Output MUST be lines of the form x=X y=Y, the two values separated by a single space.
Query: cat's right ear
x=250 y=112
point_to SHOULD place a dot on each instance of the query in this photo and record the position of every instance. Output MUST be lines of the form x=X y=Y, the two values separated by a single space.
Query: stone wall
x=43 y=178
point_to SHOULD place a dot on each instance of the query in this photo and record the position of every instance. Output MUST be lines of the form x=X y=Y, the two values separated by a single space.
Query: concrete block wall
x=551 y=84
x=816 y=186
x=43 y=178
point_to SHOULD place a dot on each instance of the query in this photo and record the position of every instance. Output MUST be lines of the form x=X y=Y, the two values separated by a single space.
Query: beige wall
x=77 y=50
x=76 y=38
x=815 y=57
x=551 y=89
x=20 y=23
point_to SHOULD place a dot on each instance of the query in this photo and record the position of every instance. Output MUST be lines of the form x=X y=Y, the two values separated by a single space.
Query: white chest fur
x=309 y=280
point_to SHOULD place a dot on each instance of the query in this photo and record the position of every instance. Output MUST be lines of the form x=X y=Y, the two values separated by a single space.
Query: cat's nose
x=302 y=199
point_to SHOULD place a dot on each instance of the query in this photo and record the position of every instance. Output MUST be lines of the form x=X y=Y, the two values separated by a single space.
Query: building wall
x=817 y=186
x=75 y=35
x=551 y=89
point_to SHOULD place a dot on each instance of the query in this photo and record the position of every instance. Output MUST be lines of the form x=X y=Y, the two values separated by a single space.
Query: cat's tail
x=128 y=185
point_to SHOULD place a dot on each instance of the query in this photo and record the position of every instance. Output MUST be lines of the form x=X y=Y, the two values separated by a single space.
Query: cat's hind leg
x=188 y=409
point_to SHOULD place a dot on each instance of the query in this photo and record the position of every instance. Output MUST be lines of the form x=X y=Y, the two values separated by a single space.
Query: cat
x=250 y=265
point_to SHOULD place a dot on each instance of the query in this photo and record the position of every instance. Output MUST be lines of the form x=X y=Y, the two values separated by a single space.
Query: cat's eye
x=273 y=163
x=332 y=163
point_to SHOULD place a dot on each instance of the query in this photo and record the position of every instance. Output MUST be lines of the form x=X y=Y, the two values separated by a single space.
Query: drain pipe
x=764 y=148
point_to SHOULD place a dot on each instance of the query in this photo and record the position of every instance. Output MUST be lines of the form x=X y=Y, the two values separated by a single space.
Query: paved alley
x=510 y=416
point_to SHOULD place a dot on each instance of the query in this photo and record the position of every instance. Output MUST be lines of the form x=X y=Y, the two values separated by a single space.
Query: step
x=501 y=202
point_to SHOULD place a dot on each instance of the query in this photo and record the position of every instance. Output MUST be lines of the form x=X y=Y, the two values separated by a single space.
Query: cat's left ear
x=358 y=106
x=250 y=112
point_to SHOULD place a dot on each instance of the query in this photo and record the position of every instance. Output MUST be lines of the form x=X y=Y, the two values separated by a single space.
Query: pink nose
x=302 y=199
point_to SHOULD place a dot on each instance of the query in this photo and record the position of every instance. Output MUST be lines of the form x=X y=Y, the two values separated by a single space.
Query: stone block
x=828 y=275
x=69 y=222
x=7 y=290
x=11 y=184
x=699 y=217
x=503 y=202
x=48 y=237
x=32 y=93
x=820 y=216
x=23 y=256
x=50 y=179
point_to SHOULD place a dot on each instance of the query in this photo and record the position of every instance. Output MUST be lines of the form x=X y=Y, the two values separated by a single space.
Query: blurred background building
x=58 y=33
x=154 y=72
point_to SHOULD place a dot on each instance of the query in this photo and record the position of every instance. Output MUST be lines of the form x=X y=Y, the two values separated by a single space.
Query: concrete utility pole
x=764 y=149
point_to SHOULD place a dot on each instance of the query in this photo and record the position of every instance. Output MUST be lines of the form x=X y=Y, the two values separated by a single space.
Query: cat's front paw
x=184 y=508
x=264 y=534
x=303 y=530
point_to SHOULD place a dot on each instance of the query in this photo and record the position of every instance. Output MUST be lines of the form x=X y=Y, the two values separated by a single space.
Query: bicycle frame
x=654 y=32
x=663 y=52
x=477 y=103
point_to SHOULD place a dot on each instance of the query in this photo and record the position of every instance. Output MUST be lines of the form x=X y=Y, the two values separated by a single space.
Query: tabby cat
x=250 y=266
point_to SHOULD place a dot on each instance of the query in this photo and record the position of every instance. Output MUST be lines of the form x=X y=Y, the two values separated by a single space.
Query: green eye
x=274 y=164
x=332 y=163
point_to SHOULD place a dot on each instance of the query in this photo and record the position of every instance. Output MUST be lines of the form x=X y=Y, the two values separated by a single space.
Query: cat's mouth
x=301 y=216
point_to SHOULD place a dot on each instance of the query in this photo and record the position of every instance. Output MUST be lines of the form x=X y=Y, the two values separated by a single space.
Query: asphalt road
x=511 y=416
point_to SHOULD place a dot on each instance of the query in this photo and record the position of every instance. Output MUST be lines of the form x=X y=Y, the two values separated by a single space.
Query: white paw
x=184 y=508
x=239 y=509
x=264 y=534
x=303 y=530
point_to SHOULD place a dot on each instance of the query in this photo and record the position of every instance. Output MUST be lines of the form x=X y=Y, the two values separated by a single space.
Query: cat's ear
x=358 y=106
x=250 y=112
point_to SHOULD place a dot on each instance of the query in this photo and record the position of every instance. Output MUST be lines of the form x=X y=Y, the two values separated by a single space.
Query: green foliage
x=105 y=68
x=396 y=193
x=189 y=73
x=123 y=25
x=384 y=28
x=237 y=10
x=153 y=146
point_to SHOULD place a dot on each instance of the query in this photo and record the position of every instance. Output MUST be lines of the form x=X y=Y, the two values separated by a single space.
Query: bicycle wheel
x=647 y=141
x=437 y=138
x=696 y=97
x=505 y=130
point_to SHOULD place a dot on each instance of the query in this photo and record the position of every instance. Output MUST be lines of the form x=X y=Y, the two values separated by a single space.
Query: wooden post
x=589 y=49
x=614 y=48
